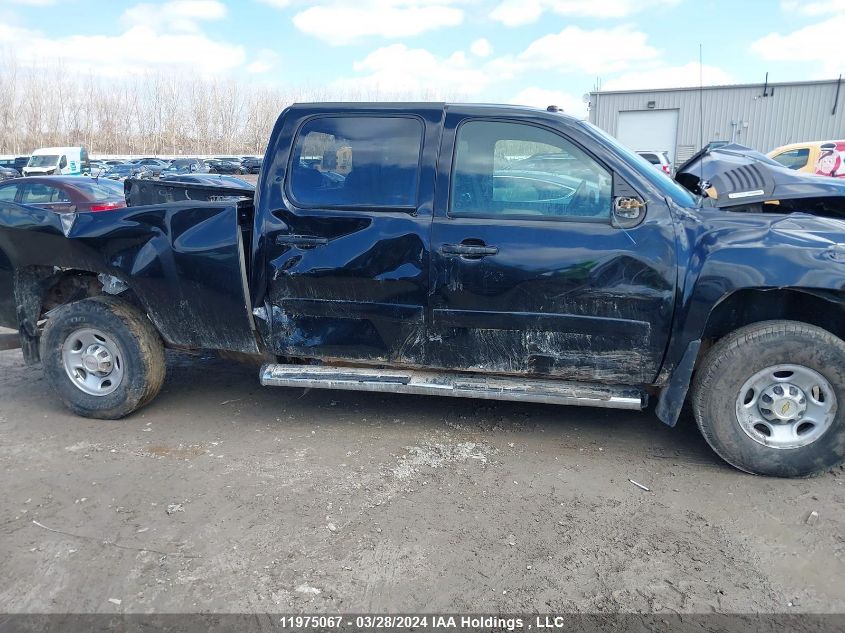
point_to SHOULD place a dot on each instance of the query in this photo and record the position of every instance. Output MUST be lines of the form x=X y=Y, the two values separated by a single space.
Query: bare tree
x=154 y=113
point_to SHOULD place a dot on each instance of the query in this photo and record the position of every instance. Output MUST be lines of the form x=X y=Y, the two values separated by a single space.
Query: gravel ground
x=223 y=496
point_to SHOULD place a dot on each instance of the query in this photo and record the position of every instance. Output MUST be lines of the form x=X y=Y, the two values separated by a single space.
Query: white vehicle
x=60 y=161
x=659 y=159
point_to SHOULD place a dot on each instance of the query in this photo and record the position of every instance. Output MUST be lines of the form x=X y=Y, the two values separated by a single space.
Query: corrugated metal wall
x=793 y=112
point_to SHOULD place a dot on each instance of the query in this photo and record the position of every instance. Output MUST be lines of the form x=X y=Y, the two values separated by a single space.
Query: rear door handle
x=307 y=241
x=468 y=250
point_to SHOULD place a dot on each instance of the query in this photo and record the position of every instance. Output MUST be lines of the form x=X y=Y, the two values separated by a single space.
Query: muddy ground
x=224 y=496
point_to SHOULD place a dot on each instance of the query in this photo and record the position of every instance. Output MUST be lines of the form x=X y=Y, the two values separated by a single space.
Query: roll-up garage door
x=649 y=130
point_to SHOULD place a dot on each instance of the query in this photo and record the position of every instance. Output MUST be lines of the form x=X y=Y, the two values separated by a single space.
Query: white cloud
x=803 y=7
x=165 y=43
x=813 y=44
x=397 y=71
x=279 y=4
x=340 y=22
x=593 y=52
x=519 y=12
x=543 y=97
x=481 y=48
x=683 y=76
x=264 y=62
x=178 y=15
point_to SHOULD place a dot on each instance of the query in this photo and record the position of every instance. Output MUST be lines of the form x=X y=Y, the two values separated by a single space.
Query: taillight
x=107 y=206
x=666 y=169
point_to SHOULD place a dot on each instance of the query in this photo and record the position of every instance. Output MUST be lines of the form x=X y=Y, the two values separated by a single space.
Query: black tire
x=138 y=344
x=734 y=359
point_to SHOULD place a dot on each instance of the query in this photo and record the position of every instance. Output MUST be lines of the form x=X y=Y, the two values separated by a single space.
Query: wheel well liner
x=822 y=308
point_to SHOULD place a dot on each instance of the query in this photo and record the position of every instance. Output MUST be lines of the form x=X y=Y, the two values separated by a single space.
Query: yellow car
x=823 y=158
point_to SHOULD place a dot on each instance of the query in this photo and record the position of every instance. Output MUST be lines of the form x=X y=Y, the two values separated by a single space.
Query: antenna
x=701 y=116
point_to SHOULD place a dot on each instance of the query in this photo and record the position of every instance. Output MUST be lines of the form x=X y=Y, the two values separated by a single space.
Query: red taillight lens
x=107 y=206
x=666 y=169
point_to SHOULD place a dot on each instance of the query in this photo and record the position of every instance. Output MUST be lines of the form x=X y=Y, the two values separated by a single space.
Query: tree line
x=154 y=113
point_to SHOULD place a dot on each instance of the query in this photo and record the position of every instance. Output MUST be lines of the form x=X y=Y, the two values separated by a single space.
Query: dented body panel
x=726 y=252
x=181 y=261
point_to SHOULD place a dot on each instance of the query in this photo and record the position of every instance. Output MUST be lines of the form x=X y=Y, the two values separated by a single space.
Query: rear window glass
x=367 y=161
x=100 y=190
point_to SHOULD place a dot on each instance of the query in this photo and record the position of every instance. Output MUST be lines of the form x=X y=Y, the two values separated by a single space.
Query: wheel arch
x=40 y=289
x=823 y=308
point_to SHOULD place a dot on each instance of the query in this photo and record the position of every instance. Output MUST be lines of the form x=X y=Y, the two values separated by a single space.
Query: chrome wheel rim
x=786 y=406
x=92 y=361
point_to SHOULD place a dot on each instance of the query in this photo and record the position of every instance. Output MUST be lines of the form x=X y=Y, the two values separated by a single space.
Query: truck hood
x=737 y=176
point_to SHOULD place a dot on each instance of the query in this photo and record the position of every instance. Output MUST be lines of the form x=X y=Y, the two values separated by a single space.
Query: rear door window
x=356 y=161
x=37 y=193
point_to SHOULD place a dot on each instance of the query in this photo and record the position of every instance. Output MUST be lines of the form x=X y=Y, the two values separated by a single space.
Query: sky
x=531 y=52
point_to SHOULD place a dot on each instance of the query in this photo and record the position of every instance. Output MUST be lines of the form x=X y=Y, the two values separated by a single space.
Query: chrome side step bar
x=453 y=384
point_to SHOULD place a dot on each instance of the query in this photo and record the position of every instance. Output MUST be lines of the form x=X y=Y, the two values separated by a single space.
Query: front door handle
x=304 y=241
x=468 y=250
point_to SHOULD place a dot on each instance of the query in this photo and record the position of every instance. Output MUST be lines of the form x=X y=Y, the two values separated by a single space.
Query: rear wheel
x=103 y=357
x=770 y=399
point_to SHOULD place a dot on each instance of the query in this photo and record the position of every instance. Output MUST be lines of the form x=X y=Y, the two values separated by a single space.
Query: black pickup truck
x=465 y=250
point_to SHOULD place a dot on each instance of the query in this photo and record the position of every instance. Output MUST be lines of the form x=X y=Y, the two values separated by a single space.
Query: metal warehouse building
x=761 y=116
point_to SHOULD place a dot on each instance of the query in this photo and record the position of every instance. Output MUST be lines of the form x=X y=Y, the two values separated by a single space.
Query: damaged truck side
x=479 y=251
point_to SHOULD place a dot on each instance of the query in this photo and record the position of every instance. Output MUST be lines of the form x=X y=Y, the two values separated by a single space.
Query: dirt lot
x=225 y=496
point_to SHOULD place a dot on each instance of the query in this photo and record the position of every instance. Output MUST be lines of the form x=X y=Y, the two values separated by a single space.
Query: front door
x=347 y=242
x=529 y=276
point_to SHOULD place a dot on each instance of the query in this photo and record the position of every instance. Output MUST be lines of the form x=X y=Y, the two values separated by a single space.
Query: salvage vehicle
x=61 y=161
x=65 y=194
x=7 y=173
x=14 y=162
x=404 y=248
x=660 y=159
x=823 y=158
x=122 y=171
x=185 y=166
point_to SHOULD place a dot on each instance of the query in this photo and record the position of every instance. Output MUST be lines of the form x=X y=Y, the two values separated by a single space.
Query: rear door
x=529 y=274
x=347 y=236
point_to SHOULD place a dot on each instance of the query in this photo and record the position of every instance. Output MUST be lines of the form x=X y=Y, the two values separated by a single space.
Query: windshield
x=44 y=160
x=666 y=185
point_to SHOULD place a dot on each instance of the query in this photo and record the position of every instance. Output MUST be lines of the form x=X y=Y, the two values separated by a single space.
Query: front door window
x=511 y=170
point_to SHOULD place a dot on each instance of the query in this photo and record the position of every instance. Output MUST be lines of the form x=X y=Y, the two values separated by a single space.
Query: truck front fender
x=743 y=268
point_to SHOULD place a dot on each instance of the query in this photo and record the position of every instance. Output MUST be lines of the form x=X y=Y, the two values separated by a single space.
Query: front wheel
x=769 y=398
x=103 y=357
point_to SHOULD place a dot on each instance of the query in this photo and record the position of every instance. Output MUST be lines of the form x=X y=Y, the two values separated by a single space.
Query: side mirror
x=628 y=211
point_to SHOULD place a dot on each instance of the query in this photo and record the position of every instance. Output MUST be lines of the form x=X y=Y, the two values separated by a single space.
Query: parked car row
x=74 y=161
